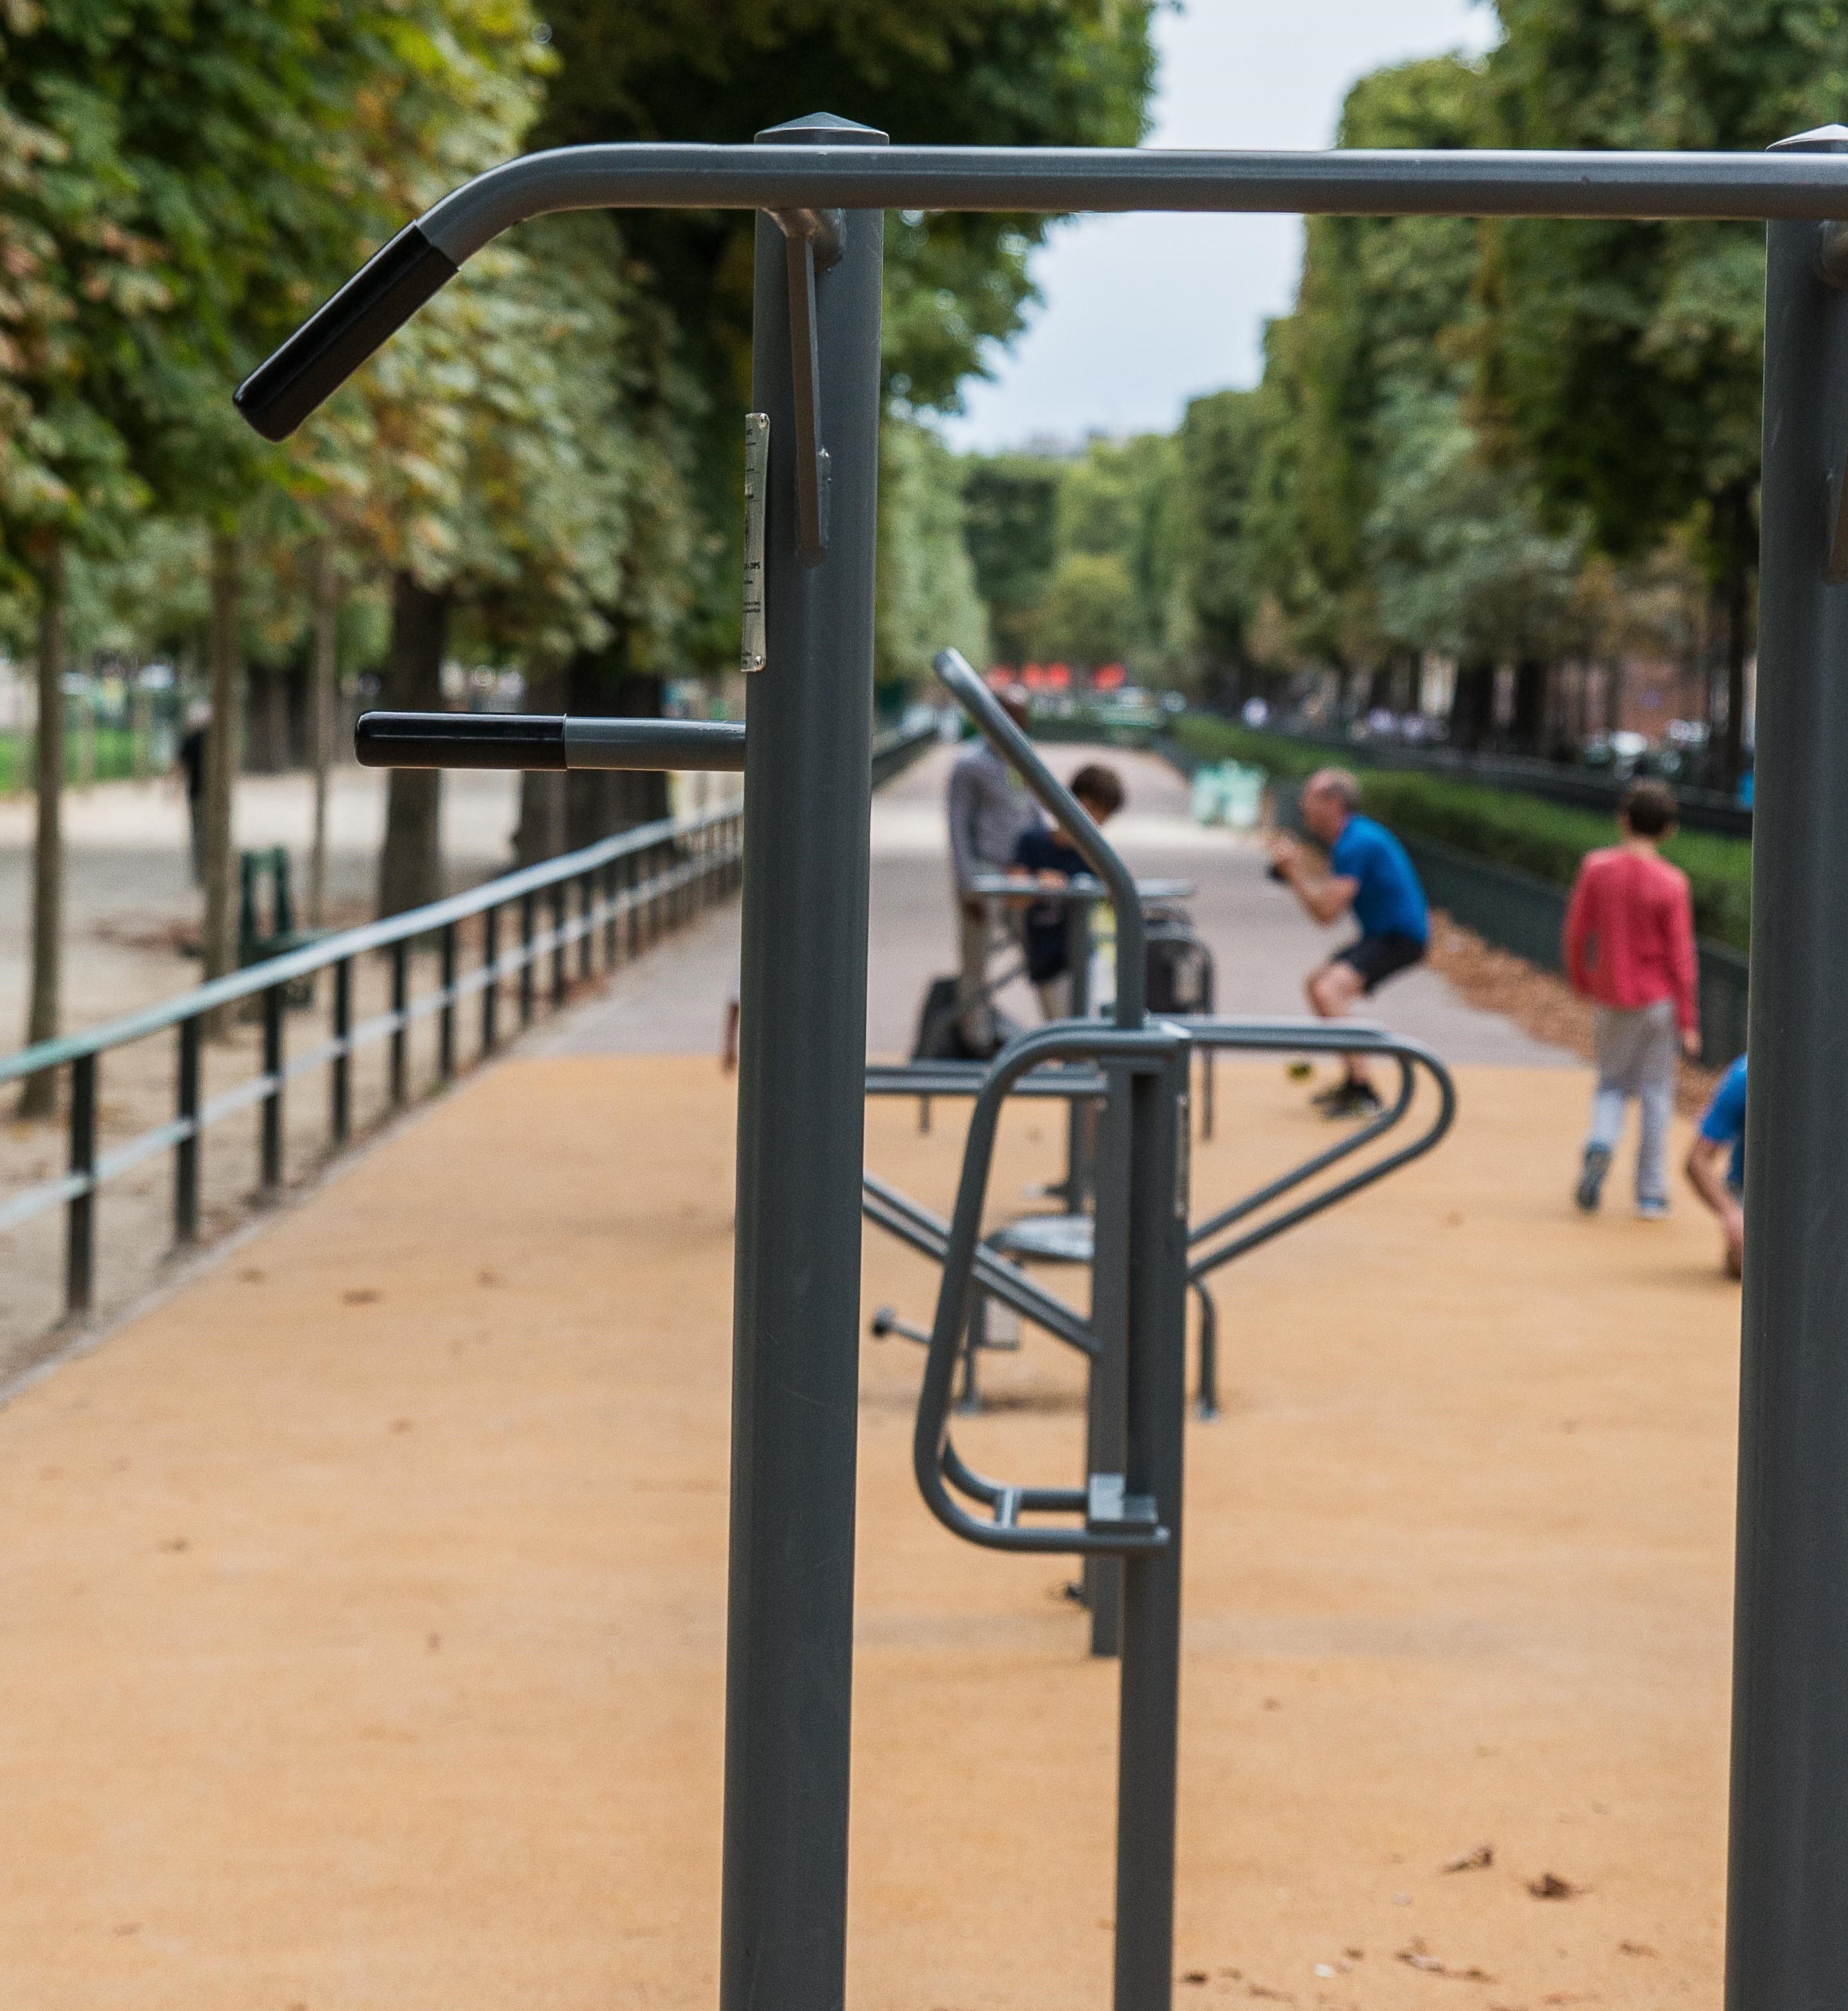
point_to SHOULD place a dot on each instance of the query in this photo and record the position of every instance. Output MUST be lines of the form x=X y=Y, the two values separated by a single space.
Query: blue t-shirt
x=1390 y=902
x=1046 y=923
x=1725 y=1122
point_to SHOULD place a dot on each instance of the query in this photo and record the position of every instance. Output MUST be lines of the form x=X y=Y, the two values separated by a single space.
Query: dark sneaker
x=1590 y=1189
x=1352 y=1099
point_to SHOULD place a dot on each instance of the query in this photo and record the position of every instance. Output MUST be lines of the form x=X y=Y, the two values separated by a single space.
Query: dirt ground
x=363 y=1606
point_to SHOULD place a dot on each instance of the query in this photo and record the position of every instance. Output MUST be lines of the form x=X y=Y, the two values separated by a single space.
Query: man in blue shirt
x=1368 y=874
x=1722 y=1136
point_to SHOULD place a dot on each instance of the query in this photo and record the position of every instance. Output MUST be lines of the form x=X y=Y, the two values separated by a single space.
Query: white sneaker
x=1652 y=1210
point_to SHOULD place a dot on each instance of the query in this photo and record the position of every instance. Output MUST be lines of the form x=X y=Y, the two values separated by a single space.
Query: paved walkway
x=363 y=1604
x=1262 y=942
x=363 y=1607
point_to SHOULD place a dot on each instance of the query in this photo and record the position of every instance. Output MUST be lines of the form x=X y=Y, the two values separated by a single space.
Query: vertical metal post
x=560 y=959
x=445 y=1015
x=1156 y=1412
x=1787 y=1925
x=609 y=901
x=400 y=1024
x=79 y=1220
x=491 y=989
x=587 y=943
x=270 y=1132
x=527 y=918
x=1106 y=1390
x=340 y=1076
x=789 y=1649
x=186 y=1151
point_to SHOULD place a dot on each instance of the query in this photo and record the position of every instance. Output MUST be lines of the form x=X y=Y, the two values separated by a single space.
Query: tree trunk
x=1741 y=539
x=323 y=676
x=224 y=746
x=1530 y=725
x=39 y=1096
x=410 y=866
x=598 y=805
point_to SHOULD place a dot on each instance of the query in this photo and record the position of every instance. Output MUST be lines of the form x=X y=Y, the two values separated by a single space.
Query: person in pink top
x=1629 y=948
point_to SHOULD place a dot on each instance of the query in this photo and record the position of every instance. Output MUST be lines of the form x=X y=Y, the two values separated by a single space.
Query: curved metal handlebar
x=544 y=741
x=1320 y=1037
x=1113 y=1527
x=1013 y=746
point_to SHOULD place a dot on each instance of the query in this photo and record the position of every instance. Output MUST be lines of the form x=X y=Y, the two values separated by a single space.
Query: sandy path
x=362 y=1608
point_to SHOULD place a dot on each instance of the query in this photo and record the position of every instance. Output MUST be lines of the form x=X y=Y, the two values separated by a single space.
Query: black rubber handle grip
x=460 y=740
x=336 y=339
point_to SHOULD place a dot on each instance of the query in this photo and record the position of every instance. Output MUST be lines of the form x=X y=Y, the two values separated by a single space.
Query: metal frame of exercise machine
x=818 y=186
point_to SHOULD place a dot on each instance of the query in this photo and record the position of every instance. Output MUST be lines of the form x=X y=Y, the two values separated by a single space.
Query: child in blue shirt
x=1050 y=855
x=1722 y=1136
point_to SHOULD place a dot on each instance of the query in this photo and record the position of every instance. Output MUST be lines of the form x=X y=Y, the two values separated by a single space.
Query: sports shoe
x=1352 y=1099
x=1590 y=1189
x=1652 y=1210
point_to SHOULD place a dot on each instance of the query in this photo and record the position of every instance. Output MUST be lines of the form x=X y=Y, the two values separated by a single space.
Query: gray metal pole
x=1787 y=1899
x=801 y=1060
x=1155 y=1409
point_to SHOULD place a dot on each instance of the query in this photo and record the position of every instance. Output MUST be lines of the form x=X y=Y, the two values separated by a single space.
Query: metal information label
x=757 y=482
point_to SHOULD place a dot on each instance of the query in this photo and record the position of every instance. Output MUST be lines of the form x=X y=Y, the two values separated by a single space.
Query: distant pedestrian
x=1050 y=856
x=1629 y=948
x=1370 y=875
x=189 y=762
x=1721 y=1136
x=990 y=811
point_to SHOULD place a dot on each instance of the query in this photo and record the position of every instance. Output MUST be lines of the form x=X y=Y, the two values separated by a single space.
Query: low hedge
x=1546 y=839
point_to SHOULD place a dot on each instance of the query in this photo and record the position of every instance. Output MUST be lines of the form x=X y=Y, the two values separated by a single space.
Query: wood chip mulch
x=1539 y=1002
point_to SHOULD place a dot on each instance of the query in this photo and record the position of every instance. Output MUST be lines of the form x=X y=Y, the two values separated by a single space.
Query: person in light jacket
x=989 y=812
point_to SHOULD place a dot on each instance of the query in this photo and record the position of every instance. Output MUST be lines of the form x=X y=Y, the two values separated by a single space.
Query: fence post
x=79 y=1221
x=275 y=1004
x=185 y=1150
x=560 y=960
x=1787 y=1927
x=340 y=1075
x=400 y=1029
x=491 y=989
x=445 y=1017
x=789 y=1647
x=528 y=919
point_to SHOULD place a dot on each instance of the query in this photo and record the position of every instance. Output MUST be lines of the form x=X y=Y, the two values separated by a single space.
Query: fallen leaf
x=1634 y=1948
x=250 y=1274
x=1276 y=1996
x=1355 y=1954
x=1195 y=1975
x=1548 y=1885
x=177 y=1543
x=129 y=1927
x=1478 y=1859
x=361 y=1295
x=400 y=1424
x=487 y=1278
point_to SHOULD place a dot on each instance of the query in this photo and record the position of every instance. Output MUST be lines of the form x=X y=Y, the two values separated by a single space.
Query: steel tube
x=1155 y=1412
x=1787 y=1925
x=802 y=1054
x=1452 y=182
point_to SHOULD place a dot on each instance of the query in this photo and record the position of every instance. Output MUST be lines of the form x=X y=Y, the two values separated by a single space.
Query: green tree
x=1011 y=504
x=1628 y=357
x=927 y=595
x=1087 y=615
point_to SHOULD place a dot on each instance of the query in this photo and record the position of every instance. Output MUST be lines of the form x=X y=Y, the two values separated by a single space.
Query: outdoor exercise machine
x=818 y=185
x=1098 y=1241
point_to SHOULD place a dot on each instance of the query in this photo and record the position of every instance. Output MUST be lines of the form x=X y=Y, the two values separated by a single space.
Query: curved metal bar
x=1357 y=183
x=1411 y=1056
x=1008 y=741
x=1206 y=1401
x=807 y=180
x=932 y=1454
x=899 y=1216
x=1344 y=1148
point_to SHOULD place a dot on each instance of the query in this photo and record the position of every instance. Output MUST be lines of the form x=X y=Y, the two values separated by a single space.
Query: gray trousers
x=974 y=934
x=1637 y=1053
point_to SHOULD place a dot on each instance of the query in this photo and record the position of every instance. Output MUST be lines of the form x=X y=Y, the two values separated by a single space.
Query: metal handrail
x=305 y=963
x=706 y=847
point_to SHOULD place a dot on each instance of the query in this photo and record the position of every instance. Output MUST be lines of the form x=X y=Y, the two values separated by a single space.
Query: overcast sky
x=1141 y=313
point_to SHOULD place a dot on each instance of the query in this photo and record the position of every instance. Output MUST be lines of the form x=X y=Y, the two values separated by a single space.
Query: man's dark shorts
x=1375 y=959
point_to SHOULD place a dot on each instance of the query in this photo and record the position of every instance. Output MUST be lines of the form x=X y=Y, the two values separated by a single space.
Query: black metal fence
x=532 y=934
x=1554 y=781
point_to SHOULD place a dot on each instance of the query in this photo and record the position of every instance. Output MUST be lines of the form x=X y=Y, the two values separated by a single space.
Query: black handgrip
x=460 y=740
x=328 y=347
